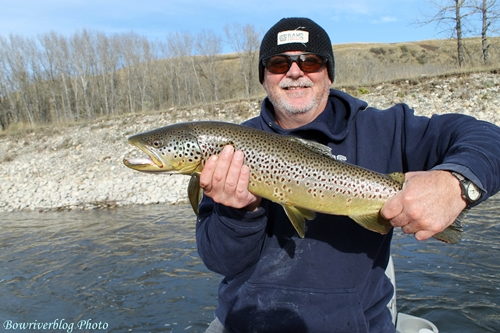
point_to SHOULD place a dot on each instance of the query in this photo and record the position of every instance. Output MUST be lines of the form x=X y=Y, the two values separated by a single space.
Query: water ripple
x=137 y=268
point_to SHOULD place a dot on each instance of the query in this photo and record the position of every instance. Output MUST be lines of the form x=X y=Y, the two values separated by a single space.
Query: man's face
x=296 y=92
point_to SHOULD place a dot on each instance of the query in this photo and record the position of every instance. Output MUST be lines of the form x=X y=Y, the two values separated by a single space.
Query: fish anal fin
x=297 y=217
x=194 y=193
x=373 y=222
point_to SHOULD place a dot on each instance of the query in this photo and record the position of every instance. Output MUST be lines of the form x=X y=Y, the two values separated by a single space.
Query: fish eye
x=157 y=143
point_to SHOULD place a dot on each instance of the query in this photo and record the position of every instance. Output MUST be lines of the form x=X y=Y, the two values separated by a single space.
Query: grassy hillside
x=371 y=63
x=365 y=64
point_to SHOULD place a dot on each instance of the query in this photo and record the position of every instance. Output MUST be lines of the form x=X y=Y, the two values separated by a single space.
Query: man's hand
x=225 y=179
x=429 y=202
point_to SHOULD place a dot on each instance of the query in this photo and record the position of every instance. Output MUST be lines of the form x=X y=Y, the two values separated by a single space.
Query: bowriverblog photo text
x=55 y=325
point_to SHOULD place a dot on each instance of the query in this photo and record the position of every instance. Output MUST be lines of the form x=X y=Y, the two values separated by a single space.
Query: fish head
x=170 y=149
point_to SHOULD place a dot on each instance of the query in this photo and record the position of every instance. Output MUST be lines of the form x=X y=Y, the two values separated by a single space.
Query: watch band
x=470 y=192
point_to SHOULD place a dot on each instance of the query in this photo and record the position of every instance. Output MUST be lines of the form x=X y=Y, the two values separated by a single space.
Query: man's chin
x=298 y=104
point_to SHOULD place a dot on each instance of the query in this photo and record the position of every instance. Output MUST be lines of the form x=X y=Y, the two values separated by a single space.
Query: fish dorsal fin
x=314 y=146
x=373 y=222
x=194 y=193
x=297 y=216
x=397 y=176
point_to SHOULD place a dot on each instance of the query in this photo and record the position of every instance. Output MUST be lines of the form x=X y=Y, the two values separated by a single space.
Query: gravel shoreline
x=80 y=167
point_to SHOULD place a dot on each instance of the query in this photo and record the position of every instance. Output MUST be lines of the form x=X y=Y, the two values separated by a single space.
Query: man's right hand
x=225 y=179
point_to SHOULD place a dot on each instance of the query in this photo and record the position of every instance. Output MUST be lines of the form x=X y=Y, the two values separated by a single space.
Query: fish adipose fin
x=195 y=193
x=297 y=216
x=398 y=177
x=373 y=222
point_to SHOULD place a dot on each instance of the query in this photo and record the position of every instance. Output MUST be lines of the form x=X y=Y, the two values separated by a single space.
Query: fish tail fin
x=453 y=233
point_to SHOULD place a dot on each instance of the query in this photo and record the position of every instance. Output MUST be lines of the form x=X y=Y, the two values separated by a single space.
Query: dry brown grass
x=370 y=63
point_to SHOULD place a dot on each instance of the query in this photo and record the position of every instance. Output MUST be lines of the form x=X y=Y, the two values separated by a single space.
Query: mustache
x=300 y=83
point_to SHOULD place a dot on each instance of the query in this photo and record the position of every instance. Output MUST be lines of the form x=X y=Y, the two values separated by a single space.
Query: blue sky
x=345 y=20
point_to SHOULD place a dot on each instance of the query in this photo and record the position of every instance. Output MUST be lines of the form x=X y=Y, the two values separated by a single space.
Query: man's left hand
x=429 y=202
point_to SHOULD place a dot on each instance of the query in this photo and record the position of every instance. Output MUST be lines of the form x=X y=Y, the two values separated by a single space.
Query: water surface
x=136 y=269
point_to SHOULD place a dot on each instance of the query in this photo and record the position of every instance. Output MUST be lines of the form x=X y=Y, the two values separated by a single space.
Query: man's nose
x=294 y=70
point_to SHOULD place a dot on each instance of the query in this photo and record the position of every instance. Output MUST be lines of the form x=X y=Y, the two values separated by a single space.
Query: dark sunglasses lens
x=280 y=64
x=310 y=62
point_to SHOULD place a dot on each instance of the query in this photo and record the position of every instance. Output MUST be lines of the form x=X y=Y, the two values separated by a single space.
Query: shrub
x=363 y=91
x=378 y=50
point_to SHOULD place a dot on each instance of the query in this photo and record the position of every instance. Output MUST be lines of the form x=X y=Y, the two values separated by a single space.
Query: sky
x=346 y=21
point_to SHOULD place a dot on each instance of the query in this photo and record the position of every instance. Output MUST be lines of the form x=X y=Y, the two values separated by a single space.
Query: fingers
x=225 y=175
x=225 y=179
x=233 y=175
x=208 y=173
x=428 y=203
x=392 y=209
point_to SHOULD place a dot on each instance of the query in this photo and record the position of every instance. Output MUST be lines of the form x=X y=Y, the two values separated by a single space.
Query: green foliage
x=489 y=85
x=363 y=91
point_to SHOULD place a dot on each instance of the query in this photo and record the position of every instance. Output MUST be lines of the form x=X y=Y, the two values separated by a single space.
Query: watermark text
x=57 y=324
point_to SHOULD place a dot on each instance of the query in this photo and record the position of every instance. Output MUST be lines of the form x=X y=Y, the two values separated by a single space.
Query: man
x=333 y=280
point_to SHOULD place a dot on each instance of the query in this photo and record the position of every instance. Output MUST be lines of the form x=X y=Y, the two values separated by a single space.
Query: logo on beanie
x=293 y=36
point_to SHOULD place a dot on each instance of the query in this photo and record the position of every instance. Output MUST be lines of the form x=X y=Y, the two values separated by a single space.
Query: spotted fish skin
x=300 y=175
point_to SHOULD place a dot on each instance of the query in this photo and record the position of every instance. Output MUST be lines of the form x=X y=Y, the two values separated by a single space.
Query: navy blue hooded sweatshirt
x=333 y=280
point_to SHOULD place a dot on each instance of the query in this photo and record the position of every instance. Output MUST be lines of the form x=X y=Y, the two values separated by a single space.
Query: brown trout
x=300 y=175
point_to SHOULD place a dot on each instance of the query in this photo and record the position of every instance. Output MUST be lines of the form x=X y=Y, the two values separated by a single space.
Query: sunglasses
x=307 y=62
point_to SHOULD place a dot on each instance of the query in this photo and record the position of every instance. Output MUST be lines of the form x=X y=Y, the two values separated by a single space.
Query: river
x=136 y=269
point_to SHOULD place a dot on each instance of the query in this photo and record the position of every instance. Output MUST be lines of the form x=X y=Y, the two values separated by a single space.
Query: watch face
x=473 y=192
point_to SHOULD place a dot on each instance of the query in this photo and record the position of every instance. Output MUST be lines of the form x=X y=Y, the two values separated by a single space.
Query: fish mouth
x=151 y=163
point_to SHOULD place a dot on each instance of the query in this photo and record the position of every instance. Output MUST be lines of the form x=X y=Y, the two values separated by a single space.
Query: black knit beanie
x=296 y=34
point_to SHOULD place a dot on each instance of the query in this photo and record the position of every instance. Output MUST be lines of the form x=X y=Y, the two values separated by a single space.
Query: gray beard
x=289 y=107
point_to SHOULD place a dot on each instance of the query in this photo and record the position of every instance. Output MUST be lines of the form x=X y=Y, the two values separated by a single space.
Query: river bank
x=80 y=167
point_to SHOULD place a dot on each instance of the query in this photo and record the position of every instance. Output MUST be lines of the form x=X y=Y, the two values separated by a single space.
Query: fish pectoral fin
x=297 y=216
x=453 y=233
x=195 y=193
x=373 y=222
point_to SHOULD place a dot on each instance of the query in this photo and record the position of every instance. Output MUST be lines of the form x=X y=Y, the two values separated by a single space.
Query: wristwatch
x=470 y=192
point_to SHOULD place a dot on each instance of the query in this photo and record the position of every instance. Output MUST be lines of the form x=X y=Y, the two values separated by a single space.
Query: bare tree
x=17 y=58
x=489 y=15
x=55 y=78
x=108 y=73
x=10 y=108
x=209 y=46
x=181 y=52
x=245 y=41
x=452 y=16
